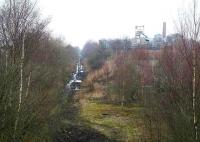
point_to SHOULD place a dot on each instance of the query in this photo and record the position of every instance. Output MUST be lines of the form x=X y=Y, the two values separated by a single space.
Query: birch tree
x=189 y=27
x=18 y=20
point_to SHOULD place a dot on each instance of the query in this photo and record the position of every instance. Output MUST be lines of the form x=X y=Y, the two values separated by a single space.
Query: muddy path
x=73 y=129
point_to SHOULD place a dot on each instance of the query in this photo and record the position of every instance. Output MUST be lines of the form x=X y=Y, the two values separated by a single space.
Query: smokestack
x=164 y=30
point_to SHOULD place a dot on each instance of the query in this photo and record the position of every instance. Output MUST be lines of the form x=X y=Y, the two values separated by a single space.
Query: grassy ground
x=92 y=117
x=116 y=122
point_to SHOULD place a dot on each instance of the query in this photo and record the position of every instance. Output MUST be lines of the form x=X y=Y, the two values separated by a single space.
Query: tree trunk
x=6 y=62
x=194 y=95
x=28 y=85
x=196 y=31
x=21 y=86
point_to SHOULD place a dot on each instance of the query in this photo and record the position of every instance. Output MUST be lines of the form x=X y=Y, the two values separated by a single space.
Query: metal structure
x=139 y=33
x=139 y=30
x=140 y=39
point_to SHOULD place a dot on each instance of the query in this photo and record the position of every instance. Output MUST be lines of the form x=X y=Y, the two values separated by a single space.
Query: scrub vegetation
x=129 y=95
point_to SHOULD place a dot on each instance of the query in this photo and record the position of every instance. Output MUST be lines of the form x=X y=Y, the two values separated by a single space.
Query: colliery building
x=142 y=40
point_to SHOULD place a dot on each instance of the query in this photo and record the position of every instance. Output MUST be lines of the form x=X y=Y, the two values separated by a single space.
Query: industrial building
x=142 y=40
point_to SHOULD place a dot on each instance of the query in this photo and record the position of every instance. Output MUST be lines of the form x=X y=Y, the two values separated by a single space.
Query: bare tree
x=189 y=27
x=18 y=19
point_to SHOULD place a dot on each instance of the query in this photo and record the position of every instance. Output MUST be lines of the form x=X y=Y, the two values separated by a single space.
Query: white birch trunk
x=194 y=69
x=21 y=86
x=194 y=95
x=28 y=85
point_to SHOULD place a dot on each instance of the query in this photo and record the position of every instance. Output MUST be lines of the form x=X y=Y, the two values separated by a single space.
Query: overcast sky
x=81 y=20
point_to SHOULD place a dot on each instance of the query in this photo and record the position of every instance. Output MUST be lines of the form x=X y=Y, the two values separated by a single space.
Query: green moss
x=114 y=121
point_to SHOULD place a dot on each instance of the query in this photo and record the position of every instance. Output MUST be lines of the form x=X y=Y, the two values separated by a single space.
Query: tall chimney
x=164 y=30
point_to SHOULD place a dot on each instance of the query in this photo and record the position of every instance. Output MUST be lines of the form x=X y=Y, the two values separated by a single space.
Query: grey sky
x=81 y=20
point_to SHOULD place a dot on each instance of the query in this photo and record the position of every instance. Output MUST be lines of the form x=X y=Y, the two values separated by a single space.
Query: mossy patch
x=116 y=122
